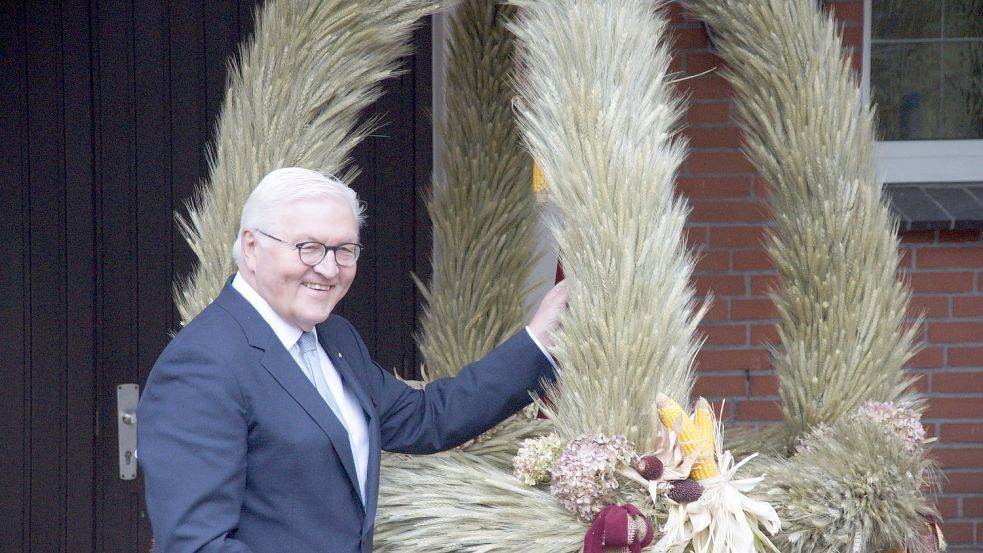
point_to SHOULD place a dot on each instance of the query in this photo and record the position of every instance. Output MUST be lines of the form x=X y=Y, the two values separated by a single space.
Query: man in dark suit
x=262 y=422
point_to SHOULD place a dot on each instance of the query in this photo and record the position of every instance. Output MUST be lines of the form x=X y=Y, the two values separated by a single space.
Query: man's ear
x=247 y=244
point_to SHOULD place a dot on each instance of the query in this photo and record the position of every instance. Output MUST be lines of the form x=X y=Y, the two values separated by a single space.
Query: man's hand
x=543 y=322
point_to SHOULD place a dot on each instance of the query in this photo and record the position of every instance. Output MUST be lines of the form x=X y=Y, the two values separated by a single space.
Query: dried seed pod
x=685 y=491
x=650 y=467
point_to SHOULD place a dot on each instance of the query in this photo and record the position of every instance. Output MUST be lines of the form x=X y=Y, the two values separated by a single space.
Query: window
x=923 y=66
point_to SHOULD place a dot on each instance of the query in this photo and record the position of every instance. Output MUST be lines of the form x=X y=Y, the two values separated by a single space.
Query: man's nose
x=328 y=266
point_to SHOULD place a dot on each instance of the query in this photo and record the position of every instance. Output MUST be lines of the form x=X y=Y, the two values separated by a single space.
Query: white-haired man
x=262 y=422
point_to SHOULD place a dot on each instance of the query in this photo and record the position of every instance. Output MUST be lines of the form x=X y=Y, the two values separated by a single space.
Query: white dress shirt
x=351 y=409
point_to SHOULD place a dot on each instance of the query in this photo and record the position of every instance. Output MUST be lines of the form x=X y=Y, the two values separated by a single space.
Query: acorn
x=649 y=466
x=685 y=491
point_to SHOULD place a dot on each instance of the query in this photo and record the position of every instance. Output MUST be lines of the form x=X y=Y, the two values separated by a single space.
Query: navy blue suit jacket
x=240 y=453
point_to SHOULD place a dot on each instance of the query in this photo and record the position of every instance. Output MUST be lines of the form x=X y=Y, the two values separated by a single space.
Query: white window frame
x=922 y=161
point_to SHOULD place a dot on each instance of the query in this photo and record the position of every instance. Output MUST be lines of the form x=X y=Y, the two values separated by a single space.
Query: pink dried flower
x=584 y=475
x=902 y=421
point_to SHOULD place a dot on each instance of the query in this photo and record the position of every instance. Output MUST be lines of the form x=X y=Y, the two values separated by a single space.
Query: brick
x=728 y=212
x=958 y=532
x=958 y=457
x=719 y=310
x=972 y=507
x=930 y=307
x=927 y=358
x=715 y=163
x=953 y=332
x=764 y=385
x=941 y=282
x=959 y=235
x=733 y=359
x=720 y=285
x=966 y=357
x=918 y=237
x=761 y=187
x=697 y=63
x=762 y=285
x=764 y=334
x=724 y=335
x=933 y=258
x=708 y=113
x=948 y=507
x=963 y=482
x=714 y=137
x=753 y=310
x=719 y=386
x=853 y=37
x=759 y=410
x=752 y=260
x=963 y=306
x=677 y=14
x=954 y=408
x=714 y=261
x=676 y=63
x=696 y=236
x=961 y=432
x=688 y=38
x=736 y=236
x=904 y=258
x=707 y=87
x=965 y=382
x=849 y=11
x=714 y=187
x=920 y=384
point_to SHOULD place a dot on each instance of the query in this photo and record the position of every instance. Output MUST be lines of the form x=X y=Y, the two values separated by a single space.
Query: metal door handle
x=127 y=396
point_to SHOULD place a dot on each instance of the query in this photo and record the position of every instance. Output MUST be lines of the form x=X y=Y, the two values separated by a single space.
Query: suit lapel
x=353 y=383
x=284 y=369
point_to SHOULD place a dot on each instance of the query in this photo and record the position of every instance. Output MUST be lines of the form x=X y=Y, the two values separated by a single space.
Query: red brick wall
x=728 y=218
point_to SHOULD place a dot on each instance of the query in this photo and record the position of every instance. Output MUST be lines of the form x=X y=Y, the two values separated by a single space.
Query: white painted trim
x=927 y=161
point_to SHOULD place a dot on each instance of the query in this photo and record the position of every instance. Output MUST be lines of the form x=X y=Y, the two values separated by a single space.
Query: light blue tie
x=308 y=350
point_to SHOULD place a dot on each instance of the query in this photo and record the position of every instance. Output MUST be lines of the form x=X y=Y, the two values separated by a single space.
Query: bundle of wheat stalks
x=843 y=473
x=294 y=98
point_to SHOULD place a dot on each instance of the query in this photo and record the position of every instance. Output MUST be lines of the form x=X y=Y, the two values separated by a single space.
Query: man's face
x=301 y=294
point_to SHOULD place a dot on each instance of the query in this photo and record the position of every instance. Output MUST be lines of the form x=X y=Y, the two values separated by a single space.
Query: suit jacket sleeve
x=192 y=448
x=450 y=411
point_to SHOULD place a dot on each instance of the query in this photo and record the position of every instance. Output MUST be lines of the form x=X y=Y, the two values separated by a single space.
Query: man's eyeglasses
x=312 y=253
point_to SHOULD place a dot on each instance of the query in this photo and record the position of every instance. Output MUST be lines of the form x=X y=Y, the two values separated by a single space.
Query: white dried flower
x=534 y=461
x=584 y=475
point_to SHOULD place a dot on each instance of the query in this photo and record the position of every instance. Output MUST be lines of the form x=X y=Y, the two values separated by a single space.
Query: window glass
x=926 y=68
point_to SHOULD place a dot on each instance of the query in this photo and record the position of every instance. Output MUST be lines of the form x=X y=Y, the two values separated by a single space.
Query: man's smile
x=318 y=287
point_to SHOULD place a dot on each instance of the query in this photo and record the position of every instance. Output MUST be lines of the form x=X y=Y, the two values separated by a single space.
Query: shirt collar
x=286 y=332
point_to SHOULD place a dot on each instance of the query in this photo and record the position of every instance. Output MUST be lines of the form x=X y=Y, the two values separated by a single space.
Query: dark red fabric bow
x=621 y=527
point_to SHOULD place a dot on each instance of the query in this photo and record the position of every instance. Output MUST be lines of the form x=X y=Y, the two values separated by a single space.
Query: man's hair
x=281 y=187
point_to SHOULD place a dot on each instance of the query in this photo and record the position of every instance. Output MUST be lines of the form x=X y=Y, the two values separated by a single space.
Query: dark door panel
x=107 y=110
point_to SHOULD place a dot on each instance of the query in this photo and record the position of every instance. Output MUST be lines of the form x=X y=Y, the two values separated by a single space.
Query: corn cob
x=705 y=466
x=538 y=179
x=690 y=438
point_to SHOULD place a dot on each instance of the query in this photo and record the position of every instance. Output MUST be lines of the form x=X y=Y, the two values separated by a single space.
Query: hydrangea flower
x=534 y=460
x=584 y=475
x=902 y=421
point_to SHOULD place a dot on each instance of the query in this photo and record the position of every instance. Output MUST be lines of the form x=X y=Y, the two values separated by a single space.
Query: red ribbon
x=618 y=526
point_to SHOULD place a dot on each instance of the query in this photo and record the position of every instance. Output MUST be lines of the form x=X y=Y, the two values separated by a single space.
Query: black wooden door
x=106 y=111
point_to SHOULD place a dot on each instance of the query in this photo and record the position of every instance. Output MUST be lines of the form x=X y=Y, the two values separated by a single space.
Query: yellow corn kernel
x=538 y=179
x=705 y=465
x=705 y=424
x=672 y=416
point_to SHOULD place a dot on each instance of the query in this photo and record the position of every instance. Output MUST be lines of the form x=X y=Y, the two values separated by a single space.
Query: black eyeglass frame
x=333 y=249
